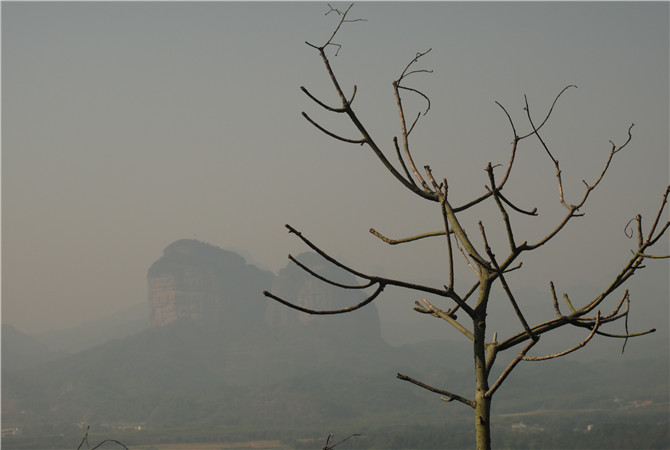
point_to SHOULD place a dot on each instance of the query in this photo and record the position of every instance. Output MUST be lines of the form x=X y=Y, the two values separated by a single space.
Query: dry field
x=218 y=446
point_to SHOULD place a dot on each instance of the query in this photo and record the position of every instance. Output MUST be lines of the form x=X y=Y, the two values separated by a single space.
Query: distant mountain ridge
x=212 y=333
x=223 y=357
x=20 y=350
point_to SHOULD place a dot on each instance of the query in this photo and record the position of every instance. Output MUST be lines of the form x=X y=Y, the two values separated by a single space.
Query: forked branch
x=397 y=86
x=379 y=282
x=448 y=316
x=346 y=108
x=594 y=330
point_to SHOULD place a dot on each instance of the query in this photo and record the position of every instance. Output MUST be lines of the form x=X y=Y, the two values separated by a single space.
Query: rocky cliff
x=214 y=287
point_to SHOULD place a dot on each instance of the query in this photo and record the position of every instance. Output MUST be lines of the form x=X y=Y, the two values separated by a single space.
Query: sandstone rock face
x=206 y=284
x=216 y=288
x=162 y=299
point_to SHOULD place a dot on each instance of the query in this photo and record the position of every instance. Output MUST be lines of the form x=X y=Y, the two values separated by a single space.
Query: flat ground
x=216 y=446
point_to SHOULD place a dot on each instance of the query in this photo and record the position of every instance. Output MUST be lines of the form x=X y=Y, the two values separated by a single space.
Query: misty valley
x=209 y=359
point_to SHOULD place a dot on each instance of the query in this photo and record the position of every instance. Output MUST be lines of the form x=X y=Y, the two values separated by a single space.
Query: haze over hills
x=20 y=350
x=215 y=356
x=211 y=329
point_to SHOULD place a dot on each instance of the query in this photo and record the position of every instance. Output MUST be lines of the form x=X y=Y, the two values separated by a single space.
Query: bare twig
x=445 y=220
x=330 y=436
x=450 y=396
x=85 y=440
x=551 y=109
x=343 y=19
x=368 y=300
x=333 y=135
x=326 y=280
x=405 y=240
x=566 y=352
x=401 y=111
x=447 y=316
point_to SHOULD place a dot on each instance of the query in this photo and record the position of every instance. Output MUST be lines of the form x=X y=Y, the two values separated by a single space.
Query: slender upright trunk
x=482 y=403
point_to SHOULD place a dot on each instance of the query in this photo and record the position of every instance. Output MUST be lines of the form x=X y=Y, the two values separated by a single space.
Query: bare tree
x=489 y=267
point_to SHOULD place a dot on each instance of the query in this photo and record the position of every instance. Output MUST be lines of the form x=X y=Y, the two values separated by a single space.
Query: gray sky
x=127 y=126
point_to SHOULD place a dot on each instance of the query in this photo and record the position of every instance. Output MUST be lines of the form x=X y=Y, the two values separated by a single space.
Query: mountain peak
x=199 y=281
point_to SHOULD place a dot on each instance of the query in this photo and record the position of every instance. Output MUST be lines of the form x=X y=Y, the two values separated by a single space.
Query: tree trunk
x=482 y=418
x=482 y=403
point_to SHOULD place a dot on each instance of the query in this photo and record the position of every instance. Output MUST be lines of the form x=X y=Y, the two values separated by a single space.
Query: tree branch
x=551 y=109
x=380 y=281
x=403 y=125
x=85 y=440
x=326 y=280
x=505 y=286
x=380 y=288
x=566 y=352
x=405 y=240
x=448 y=316
x=509 y=369
x=451 y=396
x=333 y=135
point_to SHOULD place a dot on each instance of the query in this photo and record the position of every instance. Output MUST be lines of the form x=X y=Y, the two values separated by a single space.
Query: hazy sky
x=127 y=126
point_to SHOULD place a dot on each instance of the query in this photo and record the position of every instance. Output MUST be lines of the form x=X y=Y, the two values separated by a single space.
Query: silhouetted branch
x=572 y=209
x=627 y=335
x=554 y=160
x=658 y=216
x=451 y=396
x=402 y=162
x=405 y=240
x=532 y=212
x=324 y=254
x=323 y=105
x=380 y=288
x=503 y=212
x=448 y=316
x=330 y=436
x=450 y=250
x=645 y=255
x=515 y=142
x=613 y=152
x=628 y=270
x=509 y=368
x=379 y=281
x=551 y=109
x=343 y=19
x=401 y=111
x=326 y=280
x=566 y=352
x=333 y=135
x=505 y=286
x=85 y=440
